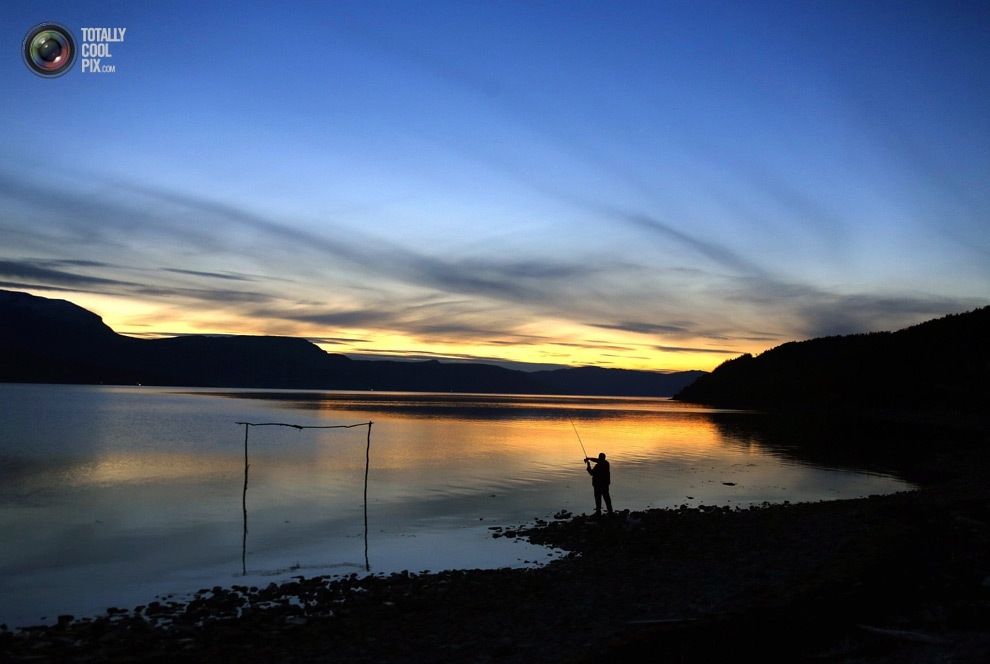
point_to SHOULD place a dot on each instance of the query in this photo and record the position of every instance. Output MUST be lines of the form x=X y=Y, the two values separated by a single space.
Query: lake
x=116 y=496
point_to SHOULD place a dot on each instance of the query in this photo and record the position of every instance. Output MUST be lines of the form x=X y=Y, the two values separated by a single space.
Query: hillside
x=616 y=382
x=942 y=364
x=54 y=341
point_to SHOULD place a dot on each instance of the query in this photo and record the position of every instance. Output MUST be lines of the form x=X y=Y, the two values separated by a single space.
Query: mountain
x=940 y=364
x=54 y=341
x=616 y=382
x=44 y=340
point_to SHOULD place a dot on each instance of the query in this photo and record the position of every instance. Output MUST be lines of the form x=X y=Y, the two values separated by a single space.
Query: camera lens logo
x=49 y=49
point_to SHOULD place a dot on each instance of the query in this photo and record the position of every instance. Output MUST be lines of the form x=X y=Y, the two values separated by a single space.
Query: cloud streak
x=598 y=292
x=41 y=272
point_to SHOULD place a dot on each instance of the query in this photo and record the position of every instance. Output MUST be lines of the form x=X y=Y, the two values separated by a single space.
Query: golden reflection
x=518 y=440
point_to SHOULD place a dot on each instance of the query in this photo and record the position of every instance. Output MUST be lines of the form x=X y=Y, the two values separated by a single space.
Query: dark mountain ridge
x=942 y=364
x=54 y=341
x=615 y=382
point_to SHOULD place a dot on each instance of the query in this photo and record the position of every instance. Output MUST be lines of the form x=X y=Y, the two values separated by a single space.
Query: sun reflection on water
x=148 y=483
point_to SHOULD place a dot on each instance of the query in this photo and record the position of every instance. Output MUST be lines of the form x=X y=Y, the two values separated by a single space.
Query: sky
x=642 y=185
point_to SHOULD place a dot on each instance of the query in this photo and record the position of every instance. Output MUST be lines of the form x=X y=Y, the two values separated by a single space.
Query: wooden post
x=367 y=463
x=244 y=502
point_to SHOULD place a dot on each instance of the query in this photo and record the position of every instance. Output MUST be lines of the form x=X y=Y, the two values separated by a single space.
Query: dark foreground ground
x=902 y=578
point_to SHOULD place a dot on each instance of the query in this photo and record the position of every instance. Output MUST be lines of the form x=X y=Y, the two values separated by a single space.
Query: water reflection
x=824 y=441
x=467 y=407
x=460 y=446
x=247 y=465
x=114 y=493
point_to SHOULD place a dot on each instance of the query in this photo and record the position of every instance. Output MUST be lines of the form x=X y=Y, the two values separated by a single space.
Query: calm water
x=113 y=496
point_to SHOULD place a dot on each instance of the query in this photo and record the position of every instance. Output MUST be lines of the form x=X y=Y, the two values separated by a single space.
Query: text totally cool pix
x=96 y=46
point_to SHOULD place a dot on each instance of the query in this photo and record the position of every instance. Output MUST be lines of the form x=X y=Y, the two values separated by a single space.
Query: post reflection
x=247 y=466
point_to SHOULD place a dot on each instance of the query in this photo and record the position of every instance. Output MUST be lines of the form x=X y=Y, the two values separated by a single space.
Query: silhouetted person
x=600 y=479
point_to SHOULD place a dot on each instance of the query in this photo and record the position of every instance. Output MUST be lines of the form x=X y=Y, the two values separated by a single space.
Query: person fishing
x=600 y=479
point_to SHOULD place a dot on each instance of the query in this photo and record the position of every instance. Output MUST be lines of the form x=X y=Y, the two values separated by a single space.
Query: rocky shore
x=900 y=578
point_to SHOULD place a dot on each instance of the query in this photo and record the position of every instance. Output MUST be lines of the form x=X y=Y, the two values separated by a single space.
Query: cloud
x=182 y=246
x=41 y=272
x=145 y=213
x=355 y=318
x=47 y=275
x=835 y=315
x=333 y=341
x=809 y=312
x=210 y=275
x=441 y=320
x=644 y=328
x=205 y=296
x=688 y=349
x=714 y=251
x=521 y=281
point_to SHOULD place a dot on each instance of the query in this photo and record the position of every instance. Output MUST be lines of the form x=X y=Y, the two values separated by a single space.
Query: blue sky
x=659 y=185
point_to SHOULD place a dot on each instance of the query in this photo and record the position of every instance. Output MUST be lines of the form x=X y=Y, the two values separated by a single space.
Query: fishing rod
x=579 y=438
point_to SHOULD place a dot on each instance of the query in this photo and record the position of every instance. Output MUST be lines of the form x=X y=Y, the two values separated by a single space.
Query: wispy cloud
x=717 y=252
x=645 y=328
x=181 y=218
x=333 y=276
x=42 y=272
x=210 y=275
x=705 y=350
